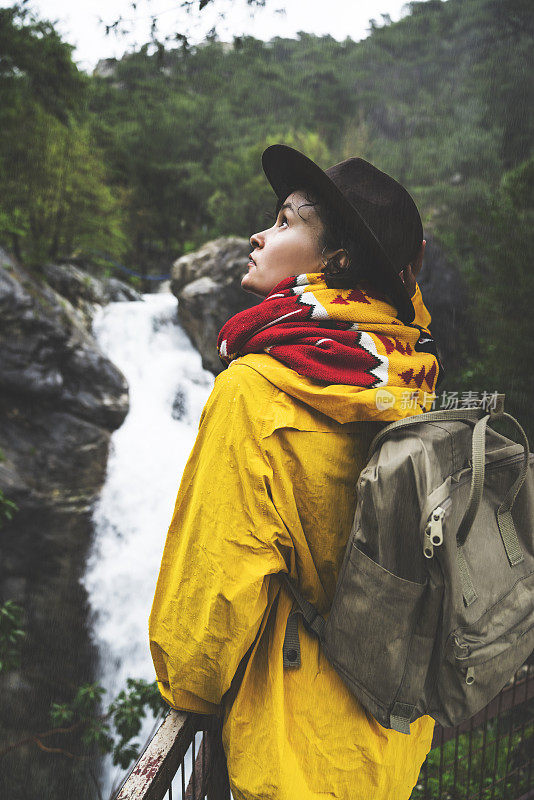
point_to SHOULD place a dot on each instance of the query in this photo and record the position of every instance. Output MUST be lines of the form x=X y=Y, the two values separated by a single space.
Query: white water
x=146 y=460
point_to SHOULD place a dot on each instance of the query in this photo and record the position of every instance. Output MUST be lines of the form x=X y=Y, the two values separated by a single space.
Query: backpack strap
x=400 y=717
x=478 y=460
x=468 y=590
x=504 y=516
x=507 y=528
x=314 y=621
x=291 y=646
x=460 y=415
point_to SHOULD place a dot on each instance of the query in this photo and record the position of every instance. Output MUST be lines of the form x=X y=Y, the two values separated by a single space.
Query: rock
x=85 y=292
x=207 y=284
x=105 y=68
x=218 y=259
x=164 y=287
x=116 y=291
x=7 y=261
x=74 y=284
x=47 y=353
x=60 y=398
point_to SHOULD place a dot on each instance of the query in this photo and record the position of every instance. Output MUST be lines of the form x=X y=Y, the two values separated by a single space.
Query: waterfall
x=168 y=389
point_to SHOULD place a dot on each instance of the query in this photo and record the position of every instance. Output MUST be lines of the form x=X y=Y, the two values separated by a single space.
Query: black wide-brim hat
x=373 y=207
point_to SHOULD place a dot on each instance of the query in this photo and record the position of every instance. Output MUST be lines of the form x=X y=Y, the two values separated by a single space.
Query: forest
x=159 y=151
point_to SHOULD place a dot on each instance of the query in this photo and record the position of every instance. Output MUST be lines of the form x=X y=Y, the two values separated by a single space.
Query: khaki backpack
x=433 y=610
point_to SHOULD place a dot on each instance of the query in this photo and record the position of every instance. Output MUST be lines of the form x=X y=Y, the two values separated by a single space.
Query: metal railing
x=489 y=757
x=184 y=759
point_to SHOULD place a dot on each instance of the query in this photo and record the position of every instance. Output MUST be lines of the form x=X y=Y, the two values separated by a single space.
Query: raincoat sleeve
x=224 y=542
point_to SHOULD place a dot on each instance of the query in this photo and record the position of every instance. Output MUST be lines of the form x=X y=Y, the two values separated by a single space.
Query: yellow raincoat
x=270 y=487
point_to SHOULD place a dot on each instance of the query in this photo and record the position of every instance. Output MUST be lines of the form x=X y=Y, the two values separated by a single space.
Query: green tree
x=243 y=201
x=492 y=235
x=37 y=64
x=54 y=195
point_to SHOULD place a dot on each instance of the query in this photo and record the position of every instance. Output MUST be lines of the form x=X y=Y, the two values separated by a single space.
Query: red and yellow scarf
x=340 y=336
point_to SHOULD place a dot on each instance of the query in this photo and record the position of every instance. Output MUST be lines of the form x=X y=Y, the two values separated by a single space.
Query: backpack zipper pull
x=434 y=529
x=470 y=675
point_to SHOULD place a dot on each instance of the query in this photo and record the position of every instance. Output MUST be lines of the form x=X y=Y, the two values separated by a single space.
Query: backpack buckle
x=497 y=409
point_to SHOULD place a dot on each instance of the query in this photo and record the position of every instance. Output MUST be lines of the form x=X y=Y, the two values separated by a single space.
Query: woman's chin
x=245 y=282
x=248 y=284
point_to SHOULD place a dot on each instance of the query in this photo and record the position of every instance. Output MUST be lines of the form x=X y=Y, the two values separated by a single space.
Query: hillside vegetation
x=159 y=152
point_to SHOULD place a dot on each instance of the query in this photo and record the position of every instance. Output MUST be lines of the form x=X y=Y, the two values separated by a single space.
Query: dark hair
x=336 y=236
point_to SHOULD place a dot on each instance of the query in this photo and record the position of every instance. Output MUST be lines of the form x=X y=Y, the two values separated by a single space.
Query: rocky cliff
x=60 y=399
x=207 y=284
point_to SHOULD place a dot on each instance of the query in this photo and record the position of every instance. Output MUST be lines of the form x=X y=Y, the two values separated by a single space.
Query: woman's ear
x=418 y=262
x=338 y=258
x=409 y=274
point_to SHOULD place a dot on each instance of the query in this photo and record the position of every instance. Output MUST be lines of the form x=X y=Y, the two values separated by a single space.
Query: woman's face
x=291 y=247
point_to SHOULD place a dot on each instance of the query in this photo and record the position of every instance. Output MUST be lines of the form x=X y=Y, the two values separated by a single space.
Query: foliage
x=7 y=508
x=127 y=711
x=11 y=635
x=55 y=198
x=100 y=732
x=37 y=64
x=11 y=615
x=253 y=207
x=158 y=42
x=422 y=98
x=111 y=731
x=492 y=235
x=55 y=195
x=162 y=148
x=481 y=757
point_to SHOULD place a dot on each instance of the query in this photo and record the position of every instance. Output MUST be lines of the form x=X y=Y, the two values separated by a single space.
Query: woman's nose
x=257 y=239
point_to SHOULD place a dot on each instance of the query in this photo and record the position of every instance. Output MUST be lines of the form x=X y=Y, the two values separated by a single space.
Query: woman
x=269 y=485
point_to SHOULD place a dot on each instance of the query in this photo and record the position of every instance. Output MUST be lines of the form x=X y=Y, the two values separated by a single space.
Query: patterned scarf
x=338 y=336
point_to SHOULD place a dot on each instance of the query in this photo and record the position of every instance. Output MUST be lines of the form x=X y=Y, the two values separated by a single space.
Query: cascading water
x=168 y=389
